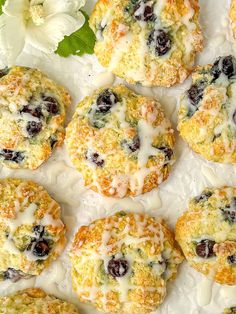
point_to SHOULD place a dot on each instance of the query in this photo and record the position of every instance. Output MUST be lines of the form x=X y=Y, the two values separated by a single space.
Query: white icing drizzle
x=204 y=291
x=121 y=48
x=25 y=217
x=191 y=26
x=123 y=285
x=146 y=134
x=48 y=220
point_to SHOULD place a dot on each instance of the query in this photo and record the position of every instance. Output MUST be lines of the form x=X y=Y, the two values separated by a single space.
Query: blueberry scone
x=121 y=142
x=232 y=16
x=206 y=233
x=151 y=42
x=32 y=114
x=32 y=234
x=231 y=310
x=34 y=301
x=122 y=263
x=207 y=115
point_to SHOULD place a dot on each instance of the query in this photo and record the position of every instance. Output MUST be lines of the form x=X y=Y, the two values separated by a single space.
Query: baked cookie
x=206 y=233
x=121 y=264
x=121 y=142
x=231 y=310
x=34 y=301
x=207 y=115
x=32 y=114
x=151 y=42
x=31 y=232
x=232 y=16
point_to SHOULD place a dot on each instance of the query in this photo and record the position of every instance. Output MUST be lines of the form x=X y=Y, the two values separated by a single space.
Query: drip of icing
x=146 y=135
x=204 y=291
x=228 y=292
x=121 y=48
x=103 y=79
x=159 y=6
x=26 y=217
x=10 y=247
x=48 y=220
x=191 y=26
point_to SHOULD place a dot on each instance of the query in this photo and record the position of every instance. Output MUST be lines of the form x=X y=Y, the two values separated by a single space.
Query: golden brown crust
x=35 y=301
x=208 y=125
x=210 y=216
x=32 y=115
x=123 y=42
x=145 y=244
x=24 y=206
x=119 y=140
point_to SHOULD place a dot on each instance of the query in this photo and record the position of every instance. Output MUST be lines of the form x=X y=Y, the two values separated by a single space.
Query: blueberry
x=12 y=155
x=203 y=197
x=106 y=101
x=118 y=267
x=143 y=11
x=40 y=248
x=167 y=151
x=195 y=94
x=95 y=158
x=4 y=72
x=229 y=212
x=53 y=141
x=132 y=145
x=34 y=111
x=204 y=248
x=160 y=40
x=232 y=259
x=13 y=274
x=226 y=65
x=38 y=230
x=51 y=104
x=33 y=128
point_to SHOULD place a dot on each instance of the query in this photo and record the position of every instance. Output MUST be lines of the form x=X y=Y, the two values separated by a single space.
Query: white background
x=189 y=176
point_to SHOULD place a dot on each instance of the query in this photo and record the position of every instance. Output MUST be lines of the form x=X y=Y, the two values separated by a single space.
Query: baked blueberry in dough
x=32 y=234
x=151 y=42
x=121 y=142
x=32 y=114
x=122 y=263
x=34 y=301
x=207 y=115
x=206 y=233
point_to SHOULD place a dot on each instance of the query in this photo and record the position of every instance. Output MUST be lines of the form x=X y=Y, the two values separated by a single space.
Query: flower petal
x=62 y=6
x=47 y=36
x=15 y=7
x=12 y=38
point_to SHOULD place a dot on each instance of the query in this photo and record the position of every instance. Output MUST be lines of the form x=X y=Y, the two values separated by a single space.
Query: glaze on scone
x=32 y=234
x=231 y=310
x=151 y=42
x=121 y=142
x=35 y=301
x=121 y=264
x=207 y=116
x=206 y=233
x=232 y=16
x=32 y=114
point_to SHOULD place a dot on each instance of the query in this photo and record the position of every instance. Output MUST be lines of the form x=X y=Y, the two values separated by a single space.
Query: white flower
x=41 y=23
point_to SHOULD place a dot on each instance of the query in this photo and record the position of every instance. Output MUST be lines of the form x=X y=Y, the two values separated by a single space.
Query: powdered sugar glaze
x=191 y=174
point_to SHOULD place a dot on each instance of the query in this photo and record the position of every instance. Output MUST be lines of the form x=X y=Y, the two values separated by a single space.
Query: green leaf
x=1 y=5
x=78 y=43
